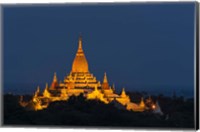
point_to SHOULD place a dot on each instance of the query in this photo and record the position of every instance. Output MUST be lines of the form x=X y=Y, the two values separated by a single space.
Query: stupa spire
x=105 y=80
x=105 y=84
x=54 y=77
x=80 y=43
x=46 y=92
x=54 y=83
x=123 y=93
x=80 y=63
x=37 y=92
x=46 y=86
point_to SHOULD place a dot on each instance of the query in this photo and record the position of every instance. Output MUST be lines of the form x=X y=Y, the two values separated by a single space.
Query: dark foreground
x=178 y=113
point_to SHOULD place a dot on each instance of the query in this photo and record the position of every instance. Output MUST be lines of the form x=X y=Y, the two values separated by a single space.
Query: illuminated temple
x=81 y=81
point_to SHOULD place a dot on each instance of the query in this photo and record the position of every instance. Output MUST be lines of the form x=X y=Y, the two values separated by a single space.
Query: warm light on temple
x=153 y=107
x=80 y=81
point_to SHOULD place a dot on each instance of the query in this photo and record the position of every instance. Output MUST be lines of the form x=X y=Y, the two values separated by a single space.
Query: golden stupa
x=80 y=81
x=80 y=63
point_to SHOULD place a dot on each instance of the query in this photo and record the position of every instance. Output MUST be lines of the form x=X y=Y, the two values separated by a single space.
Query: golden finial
x=46 y=86
x=55 y=77
x=105 y=80
x=80 y=43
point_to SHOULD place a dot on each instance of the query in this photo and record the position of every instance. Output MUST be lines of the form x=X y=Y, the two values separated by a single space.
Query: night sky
x=146 y=47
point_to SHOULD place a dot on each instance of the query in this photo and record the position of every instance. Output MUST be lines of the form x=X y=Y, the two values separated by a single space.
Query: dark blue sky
x=149 y=46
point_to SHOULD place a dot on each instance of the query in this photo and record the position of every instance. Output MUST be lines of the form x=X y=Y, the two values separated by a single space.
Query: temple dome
x=80 y=63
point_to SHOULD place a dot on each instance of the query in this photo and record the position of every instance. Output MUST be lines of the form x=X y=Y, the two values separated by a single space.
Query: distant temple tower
x=80 y=77
x=105 y=84
x=55 y=81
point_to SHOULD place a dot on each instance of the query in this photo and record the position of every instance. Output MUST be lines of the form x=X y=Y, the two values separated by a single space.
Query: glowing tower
x=80 y=77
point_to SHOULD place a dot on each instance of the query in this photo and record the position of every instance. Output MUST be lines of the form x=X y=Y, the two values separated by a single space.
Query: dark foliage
x=78 y=111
